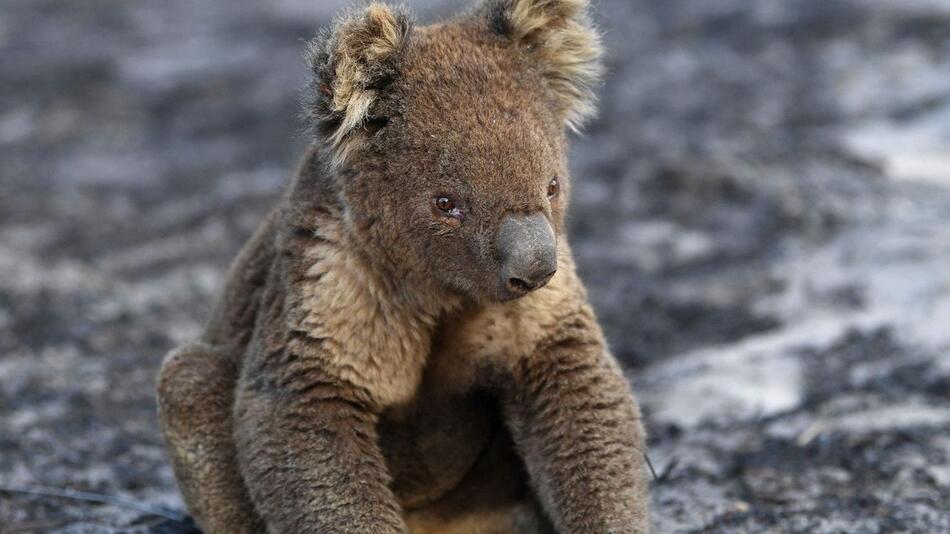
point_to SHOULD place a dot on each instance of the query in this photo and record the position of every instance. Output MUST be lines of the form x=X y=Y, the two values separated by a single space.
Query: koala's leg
x=195 y=399
x=576 y=424
x=307 y=448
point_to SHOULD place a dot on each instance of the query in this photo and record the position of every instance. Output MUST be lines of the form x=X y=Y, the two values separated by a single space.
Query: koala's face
x=475 y=158
x=458 y=161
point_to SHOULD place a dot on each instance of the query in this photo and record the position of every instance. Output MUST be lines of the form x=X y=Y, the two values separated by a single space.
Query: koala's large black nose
x=527 y=248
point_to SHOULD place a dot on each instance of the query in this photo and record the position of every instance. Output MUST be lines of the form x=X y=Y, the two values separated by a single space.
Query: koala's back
x=232 y=322
x=254 y=272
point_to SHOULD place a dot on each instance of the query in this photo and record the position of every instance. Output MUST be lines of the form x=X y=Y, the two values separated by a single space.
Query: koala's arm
x=577 y=425
x=308 y=452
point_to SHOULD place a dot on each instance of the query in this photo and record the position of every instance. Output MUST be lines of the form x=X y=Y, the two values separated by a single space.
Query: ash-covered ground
x=762 y=214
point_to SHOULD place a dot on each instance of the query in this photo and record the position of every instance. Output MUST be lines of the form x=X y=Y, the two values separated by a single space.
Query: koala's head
x=448 y=141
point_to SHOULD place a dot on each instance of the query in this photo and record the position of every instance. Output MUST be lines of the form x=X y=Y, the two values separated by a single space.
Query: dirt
x=760 y=213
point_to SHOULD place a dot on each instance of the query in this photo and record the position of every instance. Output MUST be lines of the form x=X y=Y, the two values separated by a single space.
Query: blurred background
x=761 y=212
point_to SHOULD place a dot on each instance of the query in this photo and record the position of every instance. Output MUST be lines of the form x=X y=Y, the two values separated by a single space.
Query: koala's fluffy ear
x=561 y=38
x=351 y=63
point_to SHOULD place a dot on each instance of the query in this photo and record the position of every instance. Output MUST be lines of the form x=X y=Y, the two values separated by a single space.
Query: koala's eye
x=554 y=187
x=445 y=204
x=448 y=208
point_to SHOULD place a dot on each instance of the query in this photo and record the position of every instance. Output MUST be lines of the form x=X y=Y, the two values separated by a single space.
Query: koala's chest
x=432 y=443
x=490 y=337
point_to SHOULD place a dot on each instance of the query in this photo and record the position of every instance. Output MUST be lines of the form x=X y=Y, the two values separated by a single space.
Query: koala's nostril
x=519 y=286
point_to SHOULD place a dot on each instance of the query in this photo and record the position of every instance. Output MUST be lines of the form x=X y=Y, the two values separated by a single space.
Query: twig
x=670 y=466
x=666 y=471
x=44 y=525
x=76 y=495
x=650 y=465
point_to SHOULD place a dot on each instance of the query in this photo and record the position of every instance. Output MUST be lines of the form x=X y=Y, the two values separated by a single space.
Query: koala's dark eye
x=448 y=208
x=445 y=204
x=554 y=187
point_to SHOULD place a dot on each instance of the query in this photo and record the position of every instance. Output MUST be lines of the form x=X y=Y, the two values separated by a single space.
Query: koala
x=404 y=345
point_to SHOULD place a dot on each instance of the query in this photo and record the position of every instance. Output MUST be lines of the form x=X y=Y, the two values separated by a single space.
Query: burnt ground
x=761 y=214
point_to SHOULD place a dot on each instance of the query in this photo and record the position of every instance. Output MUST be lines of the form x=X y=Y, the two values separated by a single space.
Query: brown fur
x=365 y=370
x=559 y=35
